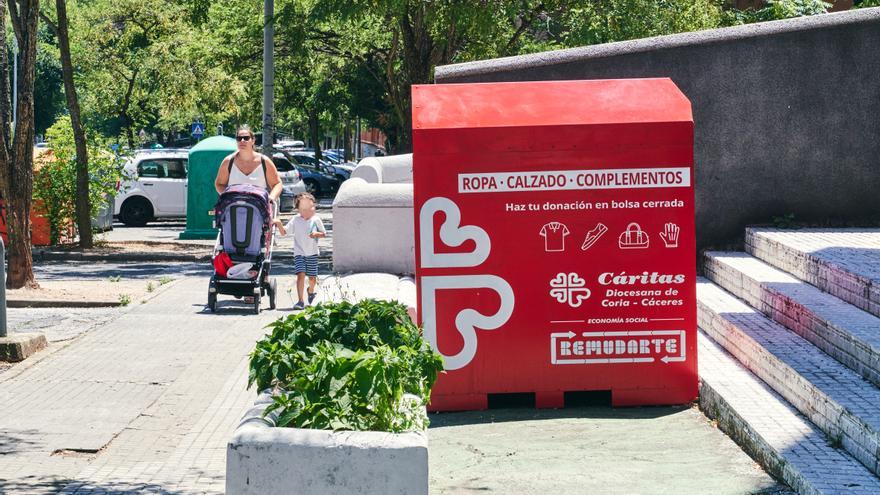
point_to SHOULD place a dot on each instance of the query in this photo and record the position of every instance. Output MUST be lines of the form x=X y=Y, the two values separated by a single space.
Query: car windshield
x=332 y=157
x=282 y=164
x=307 y=160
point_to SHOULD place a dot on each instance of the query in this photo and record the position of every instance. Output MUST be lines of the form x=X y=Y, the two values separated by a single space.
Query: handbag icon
x=633 y=238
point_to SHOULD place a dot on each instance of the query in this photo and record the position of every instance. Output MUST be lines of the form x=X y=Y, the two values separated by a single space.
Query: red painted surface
x=40 y=230
x=515 y=293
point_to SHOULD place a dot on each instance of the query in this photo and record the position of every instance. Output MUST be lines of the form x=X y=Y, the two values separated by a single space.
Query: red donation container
x=555 y=247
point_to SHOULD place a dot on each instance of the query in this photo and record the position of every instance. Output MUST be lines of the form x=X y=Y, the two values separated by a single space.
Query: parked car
x=338 y=158
x=341 y=171
x=290 y=178
x=318 y=179
x=154 y=186
x=289 y=144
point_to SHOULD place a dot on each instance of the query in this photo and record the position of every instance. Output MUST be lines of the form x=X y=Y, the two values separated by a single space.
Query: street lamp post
x=268 y=76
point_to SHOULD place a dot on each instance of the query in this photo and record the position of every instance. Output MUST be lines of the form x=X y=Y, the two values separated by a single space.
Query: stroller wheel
x=212 y=301
x=272 y=290
x=256 y=305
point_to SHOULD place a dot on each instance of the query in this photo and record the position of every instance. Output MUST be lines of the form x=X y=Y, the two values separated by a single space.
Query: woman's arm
x=222 y=179
x=273 y=180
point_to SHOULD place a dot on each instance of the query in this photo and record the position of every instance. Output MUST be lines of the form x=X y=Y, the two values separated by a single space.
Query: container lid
x=546 y=103
x=215 y=143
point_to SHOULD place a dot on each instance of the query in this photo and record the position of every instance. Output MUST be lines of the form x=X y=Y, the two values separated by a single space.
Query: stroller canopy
x=257 y=196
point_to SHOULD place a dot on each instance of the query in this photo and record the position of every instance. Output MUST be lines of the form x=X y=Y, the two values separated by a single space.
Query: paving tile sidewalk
x=147 y=403
x=134 y=404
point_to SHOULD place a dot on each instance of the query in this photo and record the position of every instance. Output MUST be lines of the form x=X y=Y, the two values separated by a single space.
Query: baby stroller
x=242 y=255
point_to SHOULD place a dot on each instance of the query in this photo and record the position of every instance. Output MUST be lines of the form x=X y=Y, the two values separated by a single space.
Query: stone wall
x=787 y=113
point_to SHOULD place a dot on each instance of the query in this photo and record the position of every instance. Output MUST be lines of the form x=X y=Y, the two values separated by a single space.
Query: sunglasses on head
x=242 y=138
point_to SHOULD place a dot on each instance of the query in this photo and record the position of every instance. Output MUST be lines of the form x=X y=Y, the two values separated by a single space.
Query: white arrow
x=667 y=359
x=633 y=333
x=553 y=337
x=582 y=361
x=631 y=360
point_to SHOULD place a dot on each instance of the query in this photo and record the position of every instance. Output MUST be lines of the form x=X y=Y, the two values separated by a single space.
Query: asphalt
x=164 y=232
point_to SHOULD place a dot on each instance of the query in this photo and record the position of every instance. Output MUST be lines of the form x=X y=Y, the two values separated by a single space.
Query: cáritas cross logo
x=453 y=234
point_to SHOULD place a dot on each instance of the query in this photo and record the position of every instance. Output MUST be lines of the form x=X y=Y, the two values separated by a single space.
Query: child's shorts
x=306 y=264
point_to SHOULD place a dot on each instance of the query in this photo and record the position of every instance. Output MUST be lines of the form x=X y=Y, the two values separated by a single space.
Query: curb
x=49 y=303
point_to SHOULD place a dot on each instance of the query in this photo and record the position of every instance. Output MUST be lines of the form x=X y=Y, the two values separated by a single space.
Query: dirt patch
x=116 y=291
x=138 y=247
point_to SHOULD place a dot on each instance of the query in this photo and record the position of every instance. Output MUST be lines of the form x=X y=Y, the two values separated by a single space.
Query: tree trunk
x=5 y=110
x=21 y=273
x=314 y=132
x=126 y=103
x=83 y=205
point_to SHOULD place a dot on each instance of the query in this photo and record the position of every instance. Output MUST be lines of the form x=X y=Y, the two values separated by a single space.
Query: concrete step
x=785 y=443
x=841 y=403
x=842 y=262
x=843 y=331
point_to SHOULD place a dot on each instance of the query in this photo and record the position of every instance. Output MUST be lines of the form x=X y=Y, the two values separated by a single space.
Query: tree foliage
x=143 y=65
x=158 y=64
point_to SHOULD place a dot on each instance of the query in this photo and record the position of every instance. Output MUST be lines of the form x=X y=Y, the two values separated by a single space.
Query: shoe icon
x=593 y=236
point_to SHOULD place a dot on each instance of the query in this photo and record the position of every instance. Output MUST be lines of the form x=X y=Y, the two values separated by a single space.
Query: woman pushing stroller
x=249 y=187
x=246 y=166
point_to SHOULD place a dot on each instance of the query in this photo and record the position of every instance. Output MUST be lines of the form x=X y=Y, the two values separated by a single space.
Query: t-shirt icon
x=554 y=236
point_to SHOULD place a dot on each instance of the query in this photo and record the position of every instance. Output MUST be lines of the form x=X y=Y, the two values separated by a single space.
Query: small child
x=306 y=228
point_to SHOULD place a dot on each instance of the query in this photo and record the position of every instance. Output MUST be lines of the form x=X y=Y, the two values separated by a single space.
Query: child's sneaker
x=299 y=306
x=311 y=298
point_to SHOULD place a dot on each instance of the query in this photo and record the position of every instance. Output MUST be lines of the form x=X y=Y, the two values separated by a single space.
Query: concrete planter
x=265 y=460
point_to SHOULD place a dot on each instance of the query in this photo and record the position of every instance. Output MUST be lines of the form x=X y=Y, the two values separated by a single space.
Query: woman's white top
x=255 y=178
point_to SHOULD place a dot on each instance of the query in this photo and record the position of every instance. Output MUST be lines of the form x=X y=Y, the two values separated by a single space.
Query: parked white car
x=155 y=187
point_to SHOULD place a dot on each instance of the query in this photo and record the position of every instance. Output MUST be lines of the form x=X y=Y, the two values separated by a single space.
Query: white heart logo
x=467 y=320
x=452 y=234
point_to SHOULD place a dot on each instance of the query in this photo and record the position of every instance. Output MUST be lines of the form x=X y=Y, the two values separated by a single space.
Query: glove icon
x=670 y=235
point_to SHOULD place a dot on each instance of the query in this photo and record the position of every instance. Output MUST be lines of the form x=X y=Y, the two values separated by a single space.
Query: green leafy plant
x=150 y=287
x=114 y=278
x=55 y=178
x=776 y=10
x=785 y=221
x=124 y=299
x=346 y=366
x=165 y=279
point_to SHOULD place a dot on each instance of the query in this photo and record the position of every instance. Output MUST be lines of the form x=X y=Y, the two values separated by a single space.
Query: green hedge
x=345 y=366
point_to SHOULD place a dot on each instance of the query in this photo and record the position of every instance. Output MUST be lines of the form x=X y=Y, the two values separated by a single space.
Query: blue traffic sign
x=197 y=129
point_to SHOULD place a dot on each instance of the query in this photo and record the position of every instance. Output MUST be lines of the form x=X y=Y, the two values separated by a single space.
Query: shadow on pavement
x=34 y=485
x=12 y=441
x=85 y=270
x=440 y=420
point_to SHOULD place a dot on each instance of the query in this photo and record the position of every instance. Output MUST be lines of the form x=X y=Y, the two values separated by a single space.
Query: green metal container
x=204 y=160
